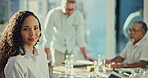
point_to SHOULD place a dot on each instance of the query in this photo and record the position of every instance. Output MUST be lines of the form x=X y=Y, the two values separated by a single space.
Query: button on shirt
x=65 y=31
x=28 y=65
x=135 y=53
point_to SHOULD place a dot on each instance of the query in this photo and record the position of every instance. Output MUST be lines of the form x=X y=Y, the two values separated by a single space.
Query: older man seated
x=135 y=53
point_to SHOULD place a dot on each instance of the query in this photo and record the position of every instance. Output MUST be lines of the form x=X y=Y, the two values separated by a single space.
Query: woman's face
x=30 y=31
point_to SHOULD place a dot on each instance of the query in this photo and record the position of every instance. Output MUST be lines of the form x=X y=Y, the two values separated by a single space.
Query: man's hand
x=108 y=61
x=50 y=64
x=90 y=59
x=116 y=65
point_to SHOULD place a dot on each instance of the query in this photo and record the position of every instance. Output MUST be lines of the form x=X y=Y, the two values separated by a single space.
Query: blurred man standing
x=64 y=31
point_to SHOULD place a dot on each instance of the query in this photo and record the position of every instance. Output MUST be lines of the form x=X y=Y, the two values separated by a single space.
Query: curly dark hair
x=11 y=42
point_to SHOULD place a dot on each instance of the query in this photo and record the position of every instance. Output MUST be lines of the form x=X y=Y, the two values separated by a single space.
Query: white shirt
x=65 y=31
x=28 y=65
x=135 y=53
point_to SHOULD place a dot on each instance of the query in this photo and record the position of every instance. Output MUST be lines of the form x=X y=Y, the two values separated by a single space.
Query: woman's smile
x=31 y=39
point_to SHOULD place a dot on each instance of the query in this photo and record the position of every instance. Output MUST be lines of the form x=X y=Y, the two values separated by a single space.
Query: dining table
x=82 y=71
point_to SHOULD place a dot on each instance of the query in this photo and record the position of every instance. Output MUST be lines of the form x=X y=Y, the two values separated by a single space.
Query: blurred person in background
x=19 y=56
x=65 y=30
x=136 y=51
x=135 y=16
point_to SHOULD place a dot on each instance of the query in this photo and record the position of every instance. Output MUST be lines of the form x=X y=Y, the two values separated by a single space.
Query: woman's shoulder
x=15 y=63
x=16 y=59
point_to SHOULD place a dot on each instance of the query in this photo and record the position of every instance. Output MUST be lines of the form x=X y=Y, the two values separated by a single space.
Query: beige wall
x=146 y=11
x=110 y=37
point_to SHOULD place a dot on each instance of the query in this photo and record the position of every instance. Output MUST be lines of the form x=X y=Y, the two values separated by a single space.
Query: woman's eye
x=26 y=29
x=36 y=28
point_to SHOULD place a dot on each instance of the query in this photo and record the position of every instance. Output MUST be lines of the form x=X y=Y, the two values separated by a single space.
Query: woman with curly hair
x=19 y=56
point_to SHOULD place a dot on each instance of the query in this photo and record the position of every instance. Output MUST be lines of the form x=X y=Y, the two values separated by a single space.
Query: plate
x=82 y=63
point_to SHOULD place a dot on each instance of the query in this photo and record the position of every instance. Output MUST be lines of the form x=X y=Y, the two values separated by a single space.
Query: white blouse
x=28 y=65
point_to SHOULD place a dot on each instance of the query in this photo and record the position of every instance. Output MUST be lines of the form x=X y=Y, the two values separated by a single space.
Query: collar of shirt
x=142 y=41
x=28 y=54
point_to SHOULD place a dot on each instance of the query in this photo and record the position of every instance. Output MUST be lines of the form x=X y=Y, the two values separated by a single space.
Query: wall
x=100 y=24
x=146 y=11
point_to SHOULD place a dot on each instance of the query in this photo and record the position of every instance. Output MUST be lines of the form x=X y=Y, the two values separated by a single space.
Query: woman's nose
x=32 y=32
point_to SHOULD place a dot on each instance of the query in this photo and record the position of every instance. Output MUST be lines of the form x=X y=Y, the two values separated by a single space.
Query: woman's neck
x=30 y=48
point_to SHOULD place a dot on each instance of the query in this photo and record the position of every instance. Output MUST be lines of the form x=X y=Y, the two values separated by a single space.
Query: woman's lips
x=31 y=39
